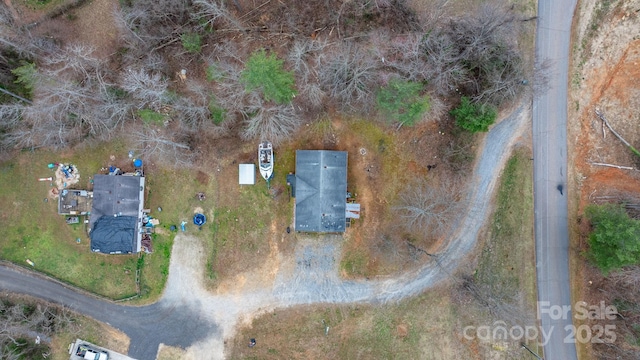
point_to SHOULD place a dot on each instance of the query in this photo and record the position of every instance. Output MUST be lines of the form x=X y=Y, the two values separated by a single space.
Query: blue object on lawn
x=199 y=219
x=137 y=163
x=182 y=224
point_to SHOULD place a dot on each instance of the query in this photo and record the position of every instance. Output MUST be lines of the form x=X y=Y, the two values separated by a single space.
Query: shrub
x=26 y=76
x=192 y=42
x=150 y=116
x=474 y=117
x=266 y=73
x=402 y=101
x=614 y=241
x=217 y=113
x=213 y=73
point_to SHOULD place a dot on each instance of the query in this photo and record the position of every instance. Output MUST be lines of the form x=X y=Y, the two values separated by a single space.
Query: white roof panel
x=247 y=174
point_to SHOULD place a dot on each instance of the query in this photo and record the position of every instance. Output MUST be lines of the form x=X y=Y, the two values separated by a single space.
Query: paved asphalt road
x=147 y=326
x=550 y=170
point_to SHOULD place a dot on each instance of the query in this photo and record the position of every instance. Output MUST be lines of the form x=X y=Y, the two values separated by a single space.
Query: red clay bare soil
x=605 y=77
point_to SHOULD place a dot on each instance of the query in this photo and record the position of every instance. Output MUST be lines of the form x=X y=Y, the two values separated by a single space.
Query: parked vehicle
x=88 y=353
x=266 y=159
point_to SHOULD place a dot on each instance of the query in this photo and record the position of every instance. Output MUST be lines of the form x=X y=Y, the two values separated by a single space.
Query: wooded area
x=341 y=55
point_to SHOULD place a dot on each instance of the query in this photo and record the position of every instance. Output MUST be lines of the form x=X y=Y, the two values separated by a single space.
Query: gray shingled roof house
x=116 y=214
x=320 y=191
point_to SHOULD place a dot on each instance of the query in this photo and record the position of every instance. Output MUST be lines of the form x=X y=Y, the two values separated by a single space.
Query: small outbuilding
x=320 y=191
x=115 y=223
x=247 y=174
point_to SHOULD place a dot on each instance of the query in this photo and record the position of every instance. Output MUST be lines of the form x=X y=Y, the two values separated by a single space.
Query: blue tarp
x=114 y=235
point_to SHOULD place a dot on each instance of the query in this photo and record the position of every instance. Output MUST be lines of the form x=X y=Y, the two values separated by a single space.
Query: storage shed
x=247 y=174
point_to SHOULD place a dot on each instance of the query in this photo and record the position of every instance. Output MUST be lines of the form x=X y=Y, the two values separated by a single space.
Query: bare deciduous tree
x=6 y=16
x=125 y=21
x=262 y=121
x=627 y=278
x=477 y=55
x=20 y=323
x=154 y=21
x=348 y=75
x=229 y=91
x=446 y=71
x=154 y=143
x=428 y=209
x=112 y=113
x=10 y=115
x=192 y=110
x=502 y=303
x=150 y=89
x=12 y=37
x=214 y=11
x=68 y=106
x=302 y=57
x=77 y=59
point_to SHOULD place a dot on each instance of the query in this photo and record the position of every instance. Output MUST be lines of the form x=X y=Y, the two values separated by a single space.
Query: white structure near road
x=112 y=355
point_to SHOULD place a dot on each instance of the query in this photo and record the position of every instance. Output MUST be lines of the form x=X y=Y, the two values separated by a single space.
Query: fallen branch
x=15 y=96
x=601 y=116
x=613 y=166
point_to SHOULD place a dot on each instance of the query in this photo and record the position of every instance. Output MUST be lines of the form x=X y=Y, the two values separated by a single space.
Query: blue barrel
x=137 y=163
x=199 y=219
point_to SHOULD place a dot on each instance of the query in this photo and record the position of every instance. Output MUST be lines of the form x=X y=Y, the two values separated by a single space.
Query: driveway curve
x=166 y=321
x=192 y=318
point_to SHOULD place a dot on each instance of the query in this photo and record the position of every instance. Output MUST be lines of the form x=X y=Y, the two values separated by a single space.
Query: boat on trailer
x=265 y=159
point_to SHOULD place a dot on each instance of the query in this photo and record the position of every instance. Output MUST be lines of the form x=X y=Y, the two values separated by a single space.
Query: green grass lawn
x=238 y=221
x=507 y=261
x=33 y=229
x=243 y=227
x=506 y=270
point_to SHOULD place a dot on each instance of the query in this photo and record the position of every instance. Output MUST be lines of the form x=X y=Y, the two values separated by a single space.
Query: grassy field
x=507 y=260
x=33 y=229
x=419 y=328
x=505 y=276
x=89 y=330
x=388 y=162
